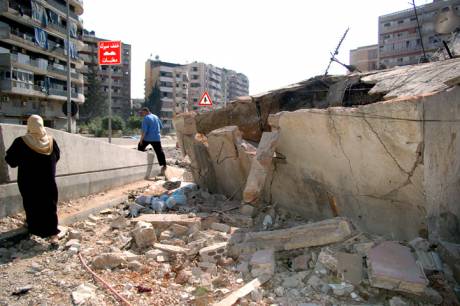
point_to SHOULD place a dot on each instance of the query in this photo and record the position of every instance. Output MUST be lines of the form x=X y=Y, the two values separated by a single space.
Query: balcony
x=22 y=88
x=52 y=91
x=63 y=8
x=39 y=67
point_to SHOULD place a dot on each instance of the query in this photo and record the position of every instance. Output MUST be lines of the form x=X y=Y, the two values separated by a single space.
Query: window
x=194 y=68
x=400 y=21
x=388 y=24
x=195 y=85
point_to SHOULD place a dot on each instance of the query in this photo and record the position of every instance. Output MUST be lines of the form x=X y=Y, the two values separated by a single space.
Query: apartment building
x=121 y=74
x=33 y=60
x=182 y=86
x=398 y=35
x=365 y=58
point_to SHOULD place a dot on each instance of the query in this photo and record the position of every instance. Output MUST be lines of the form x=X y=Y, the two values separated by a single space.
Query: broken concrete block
x=363 y=248
x=152 y=254
x=294 y=280
x=196 y=246
x=74 y=234
x=172 y=248
x=243 y=267
x=450 y=254
x=213 y=253
x=342 y=289
x=108 y=261
x=119 y=223
x=300 y=263
x=178 y=230
x=317 y=283
x=298 y=237
x=220 y=227
x=350 y=266
x=397 y=301
x=163 y=221
x=328 y=259
x=263 y=262
x=392 y=266
x=135 y=265
x=237 y=220
x=248 y=210
x=166 y=235
x=144 y=234
x=260 y=167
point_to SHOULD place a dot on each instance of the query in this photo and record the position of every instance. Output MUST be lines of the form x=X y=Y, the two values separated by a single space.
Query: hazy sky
x=275 y=43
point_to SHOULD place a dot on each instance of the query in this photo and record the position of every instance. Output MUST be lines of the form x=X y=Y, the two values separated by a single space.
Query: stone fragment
x=342 y=289
x=279 y=291
x=208 y=267
x=214 y=253
x=163 y=221
x=73 y=243
x=74 y=234
x=108 y=261
x=196 y=246
x=294 y=280
x=450 y=254
x=129 y=256
x=391 y=266
x=220 y=227
x=350 y=266
x=263 y=262
x=83 y=294
x=63 y=231
x=328 y=259
x=397 y=301
x=243 y=267
x=238 y=220
x=300 y=263
x=174 y=249
x=182 y=277
x=135 y=265
x=317 y=283
x=257 y=296
x=248 y=210
x=178 y=230
x=420 y=244
x=302 y=236
x=144 y=234
x=152 y=254
x=166 y=235
x=363 y=248
x=119 y=223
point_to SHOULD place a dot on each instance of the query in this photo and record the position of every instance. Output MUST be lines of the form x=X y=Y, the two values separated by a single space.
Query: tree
x=153 y=101
x=96 y=104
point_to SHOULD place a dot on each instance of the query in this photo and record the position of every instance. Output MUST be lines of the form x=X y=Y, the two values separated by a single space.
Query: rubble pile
x=211 y=250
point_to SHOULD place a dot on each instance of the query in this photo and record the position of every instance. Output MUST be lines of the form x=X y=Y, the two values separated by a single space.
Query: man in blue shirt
x=151 y=128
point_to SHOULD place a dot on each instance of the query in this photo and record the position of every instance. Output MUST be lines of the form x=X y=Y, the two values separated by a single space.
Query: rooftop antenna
x=336 y=52
x=424 y=59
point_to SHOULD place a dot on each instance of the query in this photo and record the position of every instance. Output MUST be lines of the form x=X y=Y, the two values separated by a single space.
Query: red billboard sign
x=109 y=53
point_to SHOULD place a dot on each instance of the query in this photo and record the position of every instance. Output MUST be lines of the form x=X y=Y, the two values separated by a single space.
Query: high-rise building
x=121 y=74
x=399 y=38
x=182 y=86
x=365 y=58
x=33 y=60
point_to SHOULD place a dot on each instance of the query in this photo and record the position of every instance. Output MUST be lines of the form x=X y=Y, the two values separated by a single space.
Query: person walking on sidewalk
x=151 y=128
x=36 y=154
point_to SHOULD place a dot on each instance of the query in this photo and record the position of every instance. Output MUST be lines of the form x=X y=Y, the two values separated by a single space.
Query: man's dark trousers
x=158 y=150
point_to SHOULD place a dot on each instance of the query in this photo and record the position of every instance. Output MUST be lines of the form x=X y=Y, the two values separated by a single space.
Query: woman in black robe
x=36 y=155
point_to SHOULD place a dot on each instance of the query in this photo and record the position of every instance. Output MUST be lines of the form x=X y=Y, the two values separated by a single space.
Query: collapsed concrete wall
x=391 y=166
x=87 y=166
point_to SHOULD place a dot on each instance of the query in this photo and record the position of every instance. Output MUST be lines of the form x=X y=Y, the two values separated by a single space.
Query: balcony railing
x=61 y=92
x=36 y=64
x=62 y=8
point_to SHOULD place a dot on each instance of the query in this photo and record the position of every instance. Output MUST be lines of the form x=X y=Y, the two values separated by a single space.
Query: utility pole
x=110 y=103
x=424 y=59
x=69 y=82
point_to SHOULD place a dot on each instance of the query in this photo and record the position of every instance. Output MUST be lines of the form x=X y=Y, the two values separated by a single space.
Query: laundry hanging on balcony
x=53 y=17
x=39 y=13
x=73 y=50
x=73 y=29
x=41 y=38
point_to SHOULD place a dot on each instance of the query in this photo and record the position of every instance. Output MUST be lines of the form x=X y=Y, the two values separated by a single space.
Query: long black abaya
x=37 y=184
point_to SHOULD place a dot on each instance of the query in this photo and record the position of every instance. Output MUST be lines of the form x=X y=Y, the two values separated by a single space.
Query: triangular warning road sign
x=205 y=100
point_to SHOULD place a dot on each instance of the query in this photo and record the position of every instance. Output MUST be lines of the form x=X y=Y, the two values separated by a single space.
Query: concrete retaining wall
x=87 y=166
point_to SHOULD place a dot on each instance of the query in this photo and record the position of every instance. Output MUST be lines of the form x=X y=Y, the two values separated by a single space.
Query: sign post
x=109 y=54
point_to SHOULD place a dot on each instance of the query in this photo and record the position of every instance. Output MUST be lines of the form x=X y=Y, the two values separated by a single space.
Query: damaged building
x=380 y=148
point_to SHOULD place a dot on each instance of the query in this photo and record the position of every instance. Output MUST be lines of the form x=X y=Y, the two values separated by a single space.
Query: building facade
x=182 y=86
x=121 y=74
x=365 y=58
x=33 y=60
x=399 y=38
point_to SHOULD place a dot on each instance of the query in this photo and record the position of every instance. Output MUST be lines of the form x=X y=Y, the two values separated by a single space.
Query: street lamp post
x=69 y=82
